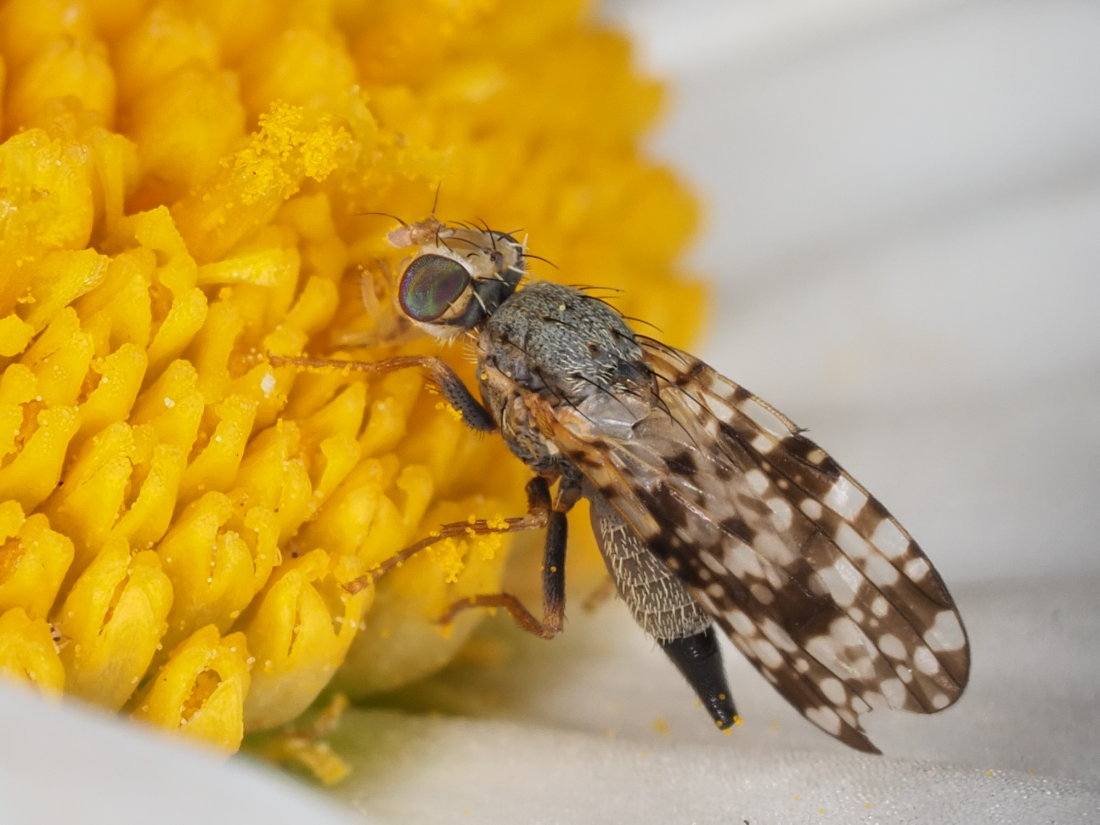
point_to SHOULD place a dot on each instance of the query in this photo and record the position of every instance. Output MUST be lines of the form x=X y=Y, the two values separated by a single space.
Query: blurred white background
x=903 y=221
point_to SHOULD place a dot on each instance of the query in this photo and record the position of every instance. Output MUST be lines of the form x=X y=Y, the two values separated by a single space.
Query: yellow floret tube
x=28 y=652
x=200 y=689
x=33 y=561
x=188 y=187
x=112 y=621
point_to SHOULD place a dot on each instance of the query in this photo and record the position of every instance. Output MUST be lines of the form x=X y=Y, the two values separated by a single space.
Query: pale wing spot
x=776 y=577
x=757 y=481
x=811 y=507
x=711 y=562
x=940 y=701
x=711 y=428
x=841 y=581
x=946 y=633
x=742 y=625
x=842 y=651
x=762 y=444
x=862 y=667
x=894 y=692
x=851 y=542
x=859 y=705
x=856 y=658
x=826 y=719
x=778 y=636
x=773 y=548
x=889 y=538
x=767 y=654
x=715 y=590
x=857 y=615
x=925 y=661
x=848 y=716
x=880 y=607
x=833 y=690
x=782 y=514
x=721 y=408
x=916 y=569
x=891 y=645
x=816 y=455
x=801 y=665
x=904 y=673
x=881 y=572
x=742 y=562
x=762 y=593
x=845 y=498
x=824 y=649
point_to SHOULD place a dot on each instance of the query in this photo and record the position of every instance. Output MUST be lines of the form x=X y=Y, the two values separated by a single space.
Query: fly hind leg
x=553 y=570
x=541 y=513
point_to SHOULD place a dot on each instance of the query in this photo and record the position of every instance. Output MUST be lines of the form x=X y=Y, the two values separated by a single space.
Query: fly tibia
x=473 y=412
x=553 y=569
x=538 y=516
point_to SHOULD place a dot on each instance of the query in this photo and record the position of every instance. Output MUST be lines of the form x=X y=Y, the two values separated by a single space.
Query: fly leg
x=541 y=512
x=450 y=385
x=553 y=566
x=538 y=516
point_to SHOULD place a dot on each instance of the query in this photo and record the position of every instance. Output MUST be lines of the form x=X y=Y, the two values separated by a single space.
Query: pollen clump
x=187 y=187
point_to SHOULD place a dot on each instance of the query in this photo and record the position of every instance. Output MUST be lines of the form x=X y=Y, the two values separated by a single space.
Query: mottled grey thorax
x=572 y=349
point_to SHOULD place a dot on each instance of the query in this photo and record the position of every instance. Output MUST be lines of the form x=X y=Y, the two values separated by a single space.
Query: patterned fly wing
x=807 y=573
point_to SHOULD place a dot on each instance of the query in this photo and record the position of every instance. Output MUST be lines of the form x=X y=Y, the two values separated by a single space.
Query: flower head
x=185 y=187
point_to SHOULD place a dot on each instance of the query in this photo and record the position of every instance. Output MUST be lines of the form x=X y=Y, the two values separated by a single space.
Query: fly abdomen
x=664 y=608
x=658 y=600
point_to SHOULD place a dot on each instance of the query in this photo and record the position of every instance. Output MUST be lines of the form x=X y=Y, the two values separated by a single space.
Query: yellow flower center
x=188 y=186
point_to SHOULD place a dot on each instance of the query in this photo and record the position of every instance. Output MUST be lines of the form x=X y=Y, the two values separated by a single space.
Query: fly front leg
x=542 y=512
x=473 y=412
x=553 y=565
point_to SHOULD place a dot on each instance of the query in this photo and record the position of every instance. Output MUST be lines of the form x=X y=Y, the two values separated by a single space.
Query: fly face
x=458 y=276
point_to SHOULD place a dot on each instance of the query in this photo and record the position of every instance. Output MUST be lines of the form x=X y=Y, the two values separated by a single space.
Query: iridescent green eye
x=431 y=285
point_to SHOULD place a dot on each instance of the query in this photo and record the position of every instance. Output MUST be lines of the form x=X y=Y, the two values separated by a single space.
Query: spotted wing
x=808 y=574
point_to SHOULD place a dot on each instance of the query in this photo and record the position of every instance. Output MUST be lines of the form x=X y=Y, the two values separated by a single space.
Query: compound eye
x=431 y=285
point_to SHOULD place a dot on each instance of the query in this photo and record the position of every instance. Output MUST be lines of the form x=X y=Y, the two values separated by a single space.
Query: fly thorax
x=565 y=345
